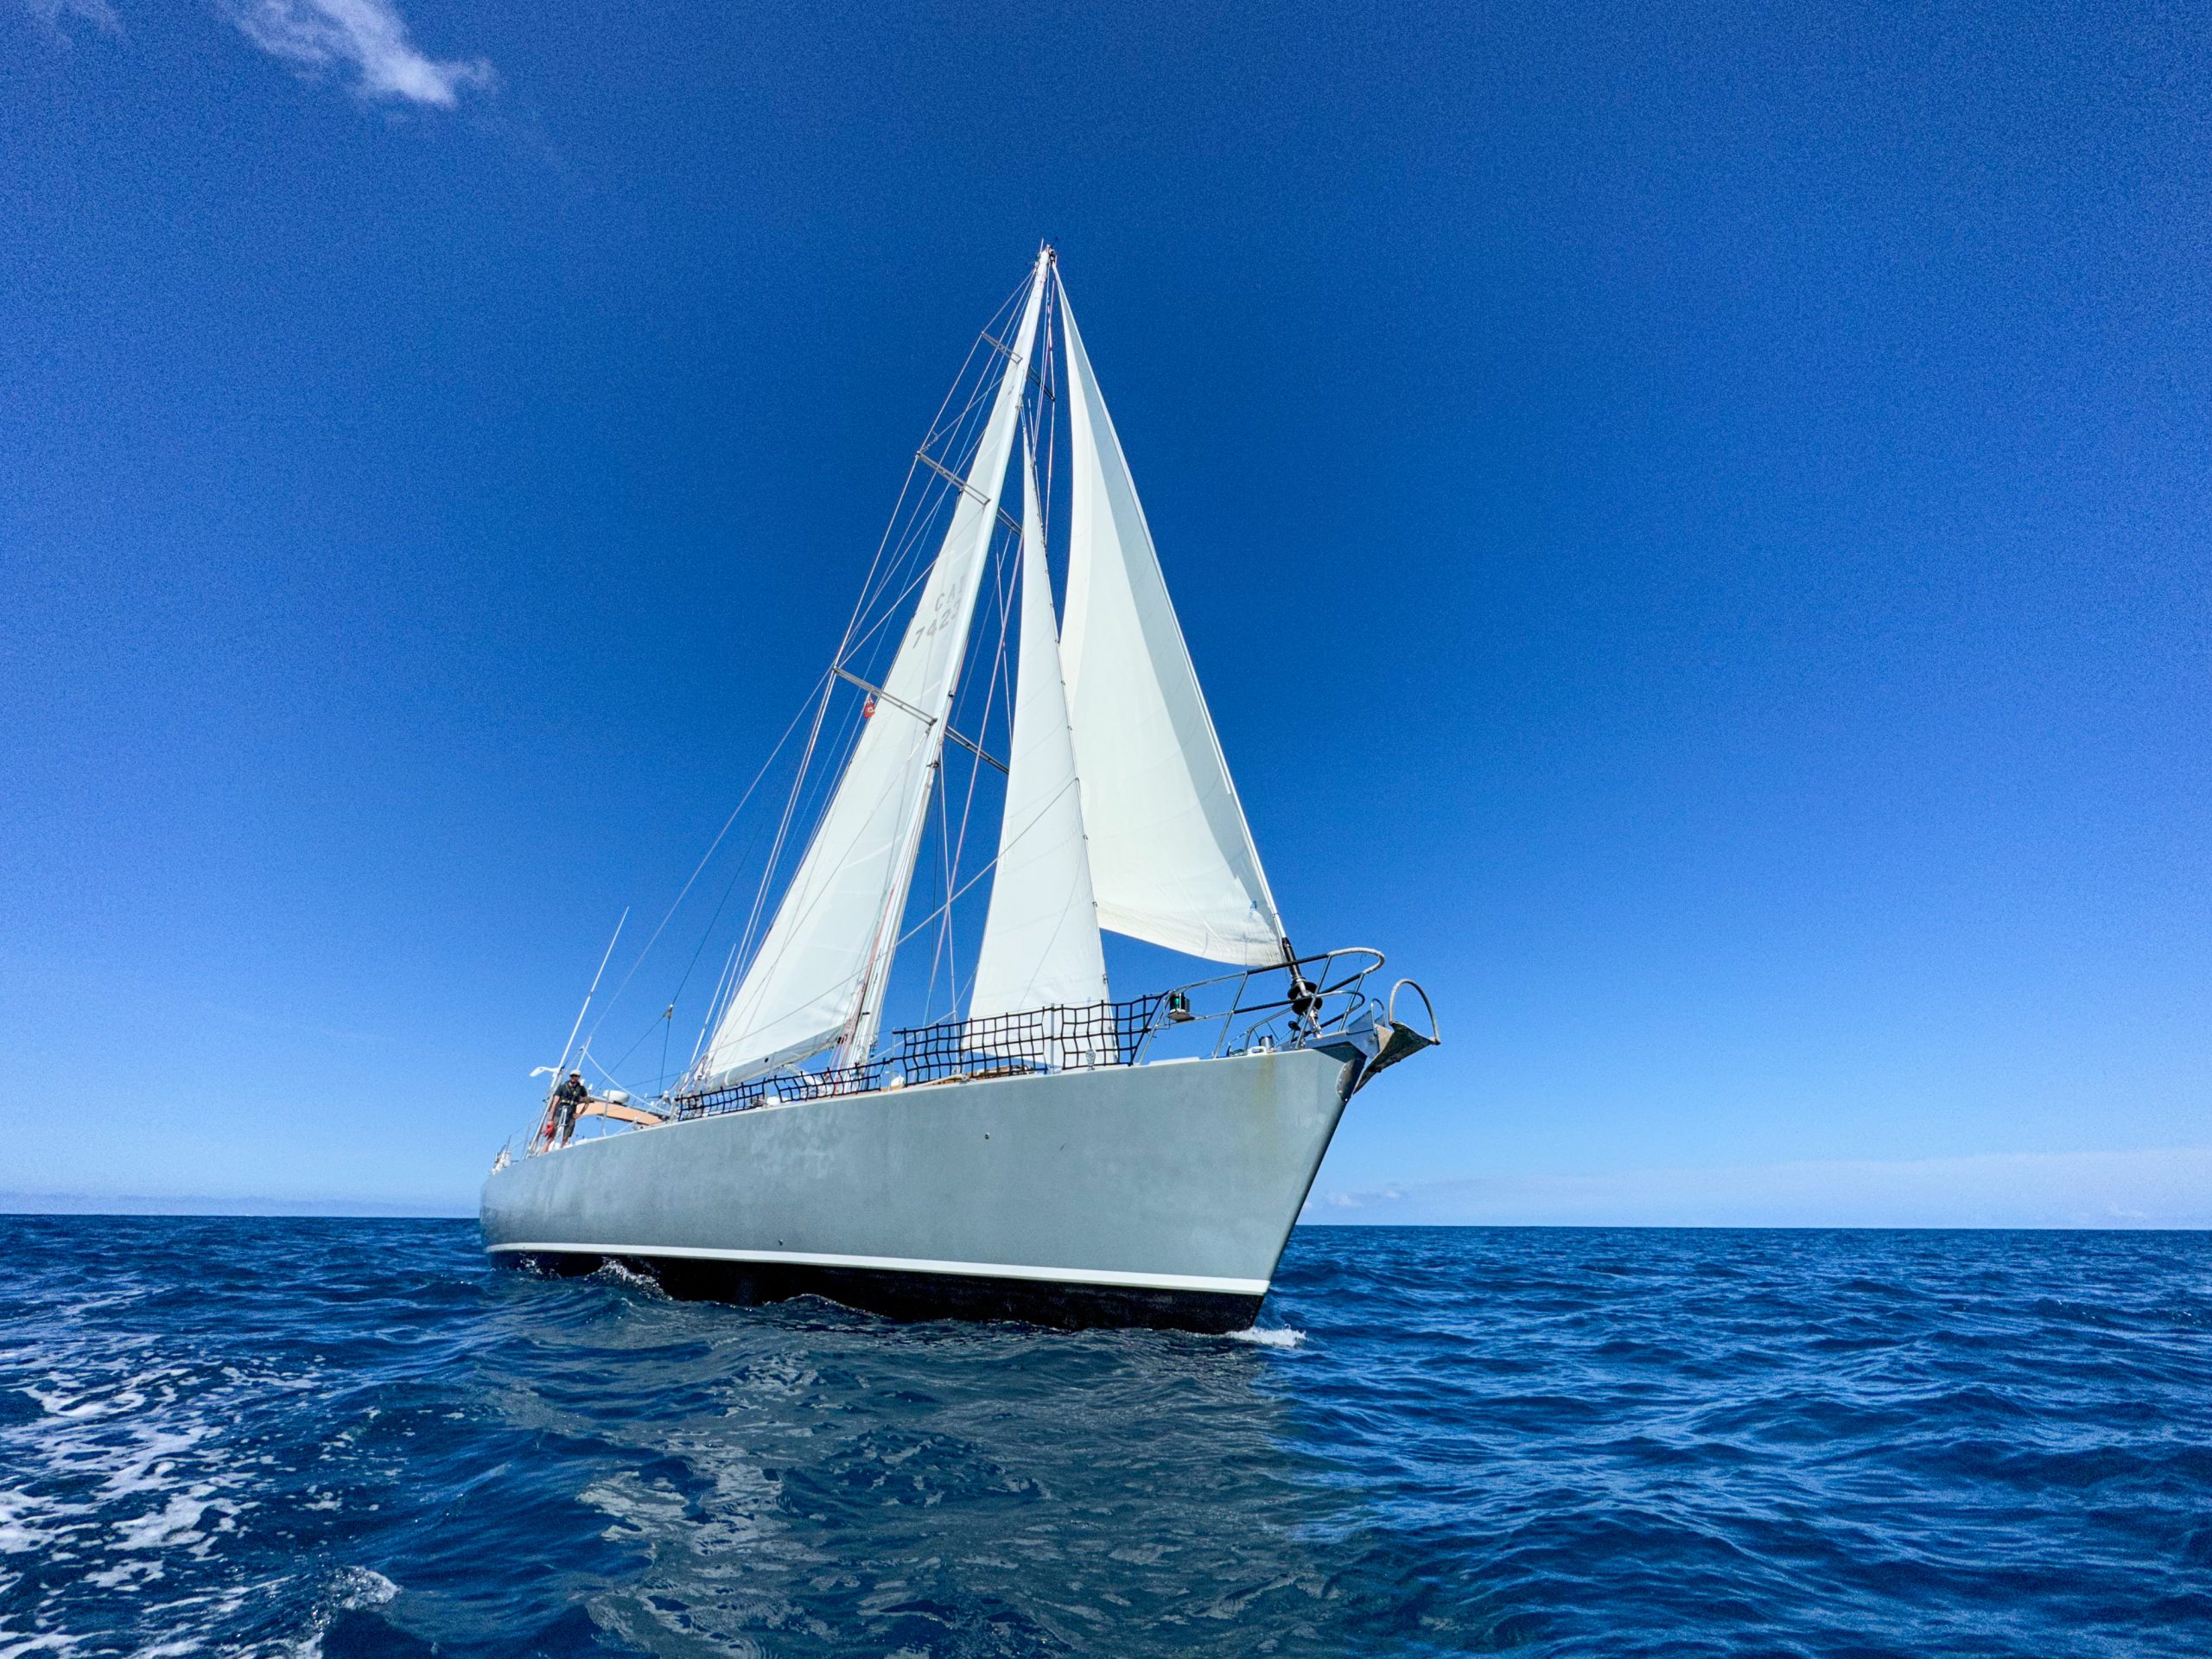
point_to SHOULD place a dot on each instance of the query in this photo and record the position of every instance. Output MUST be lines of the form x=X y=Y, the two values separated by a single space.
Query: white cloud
x=369 y=35
x=98 y=13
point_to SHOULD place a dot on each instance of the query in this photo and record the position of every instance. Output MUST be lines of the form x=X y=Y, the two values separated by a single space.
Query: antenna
x=589 y=994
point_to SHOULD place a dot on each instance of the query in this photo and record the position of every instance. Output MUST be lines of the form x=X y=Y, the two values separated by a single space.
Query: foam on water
x=323 y=1438
x=617 y=1272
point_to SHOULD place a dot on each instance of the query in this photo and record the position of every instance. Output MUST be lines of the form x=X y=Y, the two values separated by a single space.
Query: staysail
x=1040 y=945
x=1171 y=859
x=817 y=979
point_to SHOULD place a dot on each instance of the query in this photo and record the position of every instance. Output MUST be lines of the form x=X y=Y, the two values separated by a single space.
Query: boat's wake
x=622 y=1274
x=1277 y=1336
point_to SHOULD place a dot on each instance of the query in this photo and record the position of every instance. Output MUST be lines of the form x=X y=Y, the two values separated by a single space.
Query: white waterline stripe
x=906 y=1264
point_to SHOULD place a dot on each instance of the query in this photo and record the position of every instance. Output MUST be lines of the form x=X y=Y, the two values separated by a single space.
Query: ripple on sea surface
x=353 y=1436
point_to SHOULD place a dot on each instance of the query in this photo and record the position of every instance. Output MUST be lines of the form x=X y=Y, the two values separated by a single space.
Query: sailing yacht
x=1045 y=1151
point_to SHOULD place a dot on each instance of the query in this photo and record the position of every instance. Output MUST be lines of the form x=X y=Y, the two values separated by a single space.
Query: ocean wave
x=1280 y=1336
x=322 y=1439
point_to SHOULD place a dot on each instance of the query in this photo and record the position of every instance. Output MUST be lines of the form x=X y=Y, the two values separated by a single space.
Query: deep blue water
x=354 y=1438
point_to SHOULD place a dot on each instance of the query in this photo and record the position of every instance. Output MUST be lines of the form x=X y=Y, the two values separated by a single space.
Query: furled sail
x=818 y=978
x=1171 y=859
x=1040 y=946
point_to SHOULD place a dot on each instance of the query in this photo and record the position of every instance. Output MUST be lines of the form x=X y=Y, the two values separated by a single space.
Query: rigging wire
x=964 y=890
x=727 y=988
x=1007 y=572
x=1002 y=581
x=697 y=870
x=983 y=870
x=943 y=874
x=949 y=850
x=894 y=573
x=936 y=493
x=1040 y=420
x=882 y=577
x=878 y=579
x=589 y=994
x=975 y=398
x=738 y=869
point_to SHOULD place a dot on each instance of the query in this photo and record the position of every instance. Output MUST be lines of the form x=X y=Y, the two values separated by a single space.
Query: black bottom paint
x=923 y=1295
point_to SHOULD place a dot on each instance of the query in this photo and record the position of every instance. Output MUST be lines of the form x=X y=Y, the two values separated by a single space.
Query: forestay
x=817 y=978
x=1040 y=947
x=1171 y=859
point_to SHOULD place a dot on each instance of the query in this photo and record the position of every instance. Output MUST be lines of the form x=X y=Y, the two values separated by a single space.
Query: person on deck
x=566 y=1100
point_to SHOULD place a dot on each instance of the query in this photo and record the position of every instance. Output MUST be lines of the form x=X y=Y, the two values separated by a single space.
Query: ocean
x=229 y=1436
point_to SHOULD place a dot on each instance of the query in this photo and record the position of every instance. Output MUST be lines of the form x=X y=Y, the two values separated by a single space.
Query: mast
x=816 y=981
x=987 y=479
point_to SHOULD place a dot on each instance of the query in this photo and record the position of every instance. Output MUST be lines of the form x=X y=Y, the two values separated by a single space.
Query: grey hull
x=1145 y=1195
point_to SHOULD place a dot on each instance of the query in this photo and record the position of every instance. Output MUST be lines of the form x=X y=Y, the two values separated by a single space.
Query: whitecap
x=149 y=1465
x=350 y=1587
x=362 y=1586
x=177 y=1524
x=1274 y=1337
x=623 y=1275
x=18 y=1532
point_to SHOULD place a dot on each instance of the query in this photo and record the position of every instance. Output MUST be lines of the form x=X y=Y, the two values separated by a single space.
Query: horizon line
x=204 y=1208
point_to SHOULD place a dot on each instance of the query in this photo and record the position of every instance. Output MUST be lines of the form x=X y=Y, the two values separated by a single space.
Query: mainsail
x=1040 y=945
x=817 y=978
x=1171 y=859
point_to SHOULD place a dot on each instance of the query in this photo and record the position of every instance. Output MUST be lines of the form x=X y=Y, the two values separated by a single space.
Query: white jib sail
x=818 y=975
x=1171 y=859
x=1040 y=948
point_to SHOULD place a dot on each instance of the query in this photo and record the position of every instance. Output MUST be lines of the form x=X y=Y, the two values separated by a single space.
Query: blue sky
x=1693 y=520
